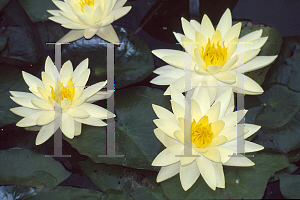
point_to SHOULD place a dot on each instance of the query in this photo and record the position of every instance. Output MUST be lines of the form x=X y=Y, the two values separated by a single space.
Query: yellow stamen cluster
x=214 y=54
x=61 y=92
x=201 y=132
x=81 y=3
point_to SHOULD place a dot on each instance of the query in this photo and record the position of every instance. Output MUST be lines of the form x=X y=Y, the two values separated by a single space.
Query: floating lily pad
x=3 y=3
x=50 y=32
x=133 y=59
x=24 y=167
x=134 y=127
x=283 y=139
x=294 y=156
x=37 y=10
x=11 y=192
x=240 y=182
x=10 y=80
x=21 y=45
x=68 y=193
x=122 y=182
x=270 y=48
x=280 y=105
x=286 y=69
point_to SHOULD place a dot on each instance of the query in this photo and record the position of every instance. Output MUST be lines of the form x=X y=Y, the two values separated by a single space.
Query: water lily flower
x=202 y=143
x=215 y=57
x=89 y=17
x=60 y=100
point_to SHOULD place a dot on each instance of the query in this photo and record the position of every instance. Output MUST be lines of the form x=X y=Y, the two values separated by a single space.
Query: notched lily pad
x=270 y=48
x=24 y=167
x=21 y=45
x=283 y=139
x=286 y=69
x=240 y=182
x=280 y=105
x=68 y=193
x=133 y=59
x=134 y=127
x=37 y=10
x=122 y=182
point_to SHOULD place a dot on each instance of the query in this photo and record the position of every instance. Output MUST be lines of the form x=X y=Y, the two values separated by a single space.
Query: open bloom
x=60 y=100
x=89 y=17
x=203 y=142
x=215 y=57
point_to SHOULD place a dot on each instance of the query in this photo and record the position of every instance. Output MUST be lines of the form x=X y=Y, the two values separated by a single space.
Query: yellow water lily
x=89 y=17
x=215 y=57
x=206 y=144
x=60 y=100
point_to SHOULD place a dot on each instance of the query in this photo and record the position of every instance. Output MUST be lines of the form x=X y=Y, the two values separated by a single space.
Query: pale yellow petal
x=188 y=175
x=163 y=113
x=89 y=33
x=212 y=154
x=108 y=33
x=81 y=68
x=188 y=29
x=239 y=161
x=120 y=12
x=41 y=104
x=93 y=89
x=220 y=178
x=23 y=111
x=30 y=79
x=167 y=126
x=168 y=156
x=168 y=52
x=225 y=99
x=219 y=140
x=217 y=127
x=65 y=103
x=91 y=121
x=258 y=62
x=196 y=25
x=77 y=112
x=207 y=29
x=96 y=111
x=213 y=112
x=167 y=172
x=51 y=69
x=195 y=110
x=45 y=118
x=71 y=36
x=88 y=11
x=188 y=155
x=85 y=20
x=67 y=125
x=77 y=128
x=225 y=153
x=251 y=36
x=30 y=120
x=47 y=131
x=24 y=101
x=213 y=69
x=97 y=14
x=63 y=6
x=207 y=171
x=225 y=23
x=164 y=138
x=74 y=25
x=232 y=33
x=178 y=110
x=226 y=77
x=231 y=119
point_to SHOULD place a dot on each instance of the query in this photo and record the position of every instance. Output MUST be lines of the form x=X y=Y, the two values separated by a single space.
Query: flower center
x=214 y=54
x=81 y=3
x=62 y=92
x=201 y=132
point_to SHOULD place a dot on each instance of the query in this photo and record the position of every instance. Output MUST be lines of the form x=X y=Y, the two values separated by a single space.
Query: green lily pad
x=294 y=156
x=21 y=45
x=24 y=167
x=119 y=182
x=10 y=192
x=240 y=182
x=283 y=139
x=67 y=193
x=280 y=105
x=50 y=32
x=3 y=3
x=270 y=48
x=37 y=10
x=133 y=59
x=134 y=127
x=289 y=186
x=10 y=80
x=286 y=69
